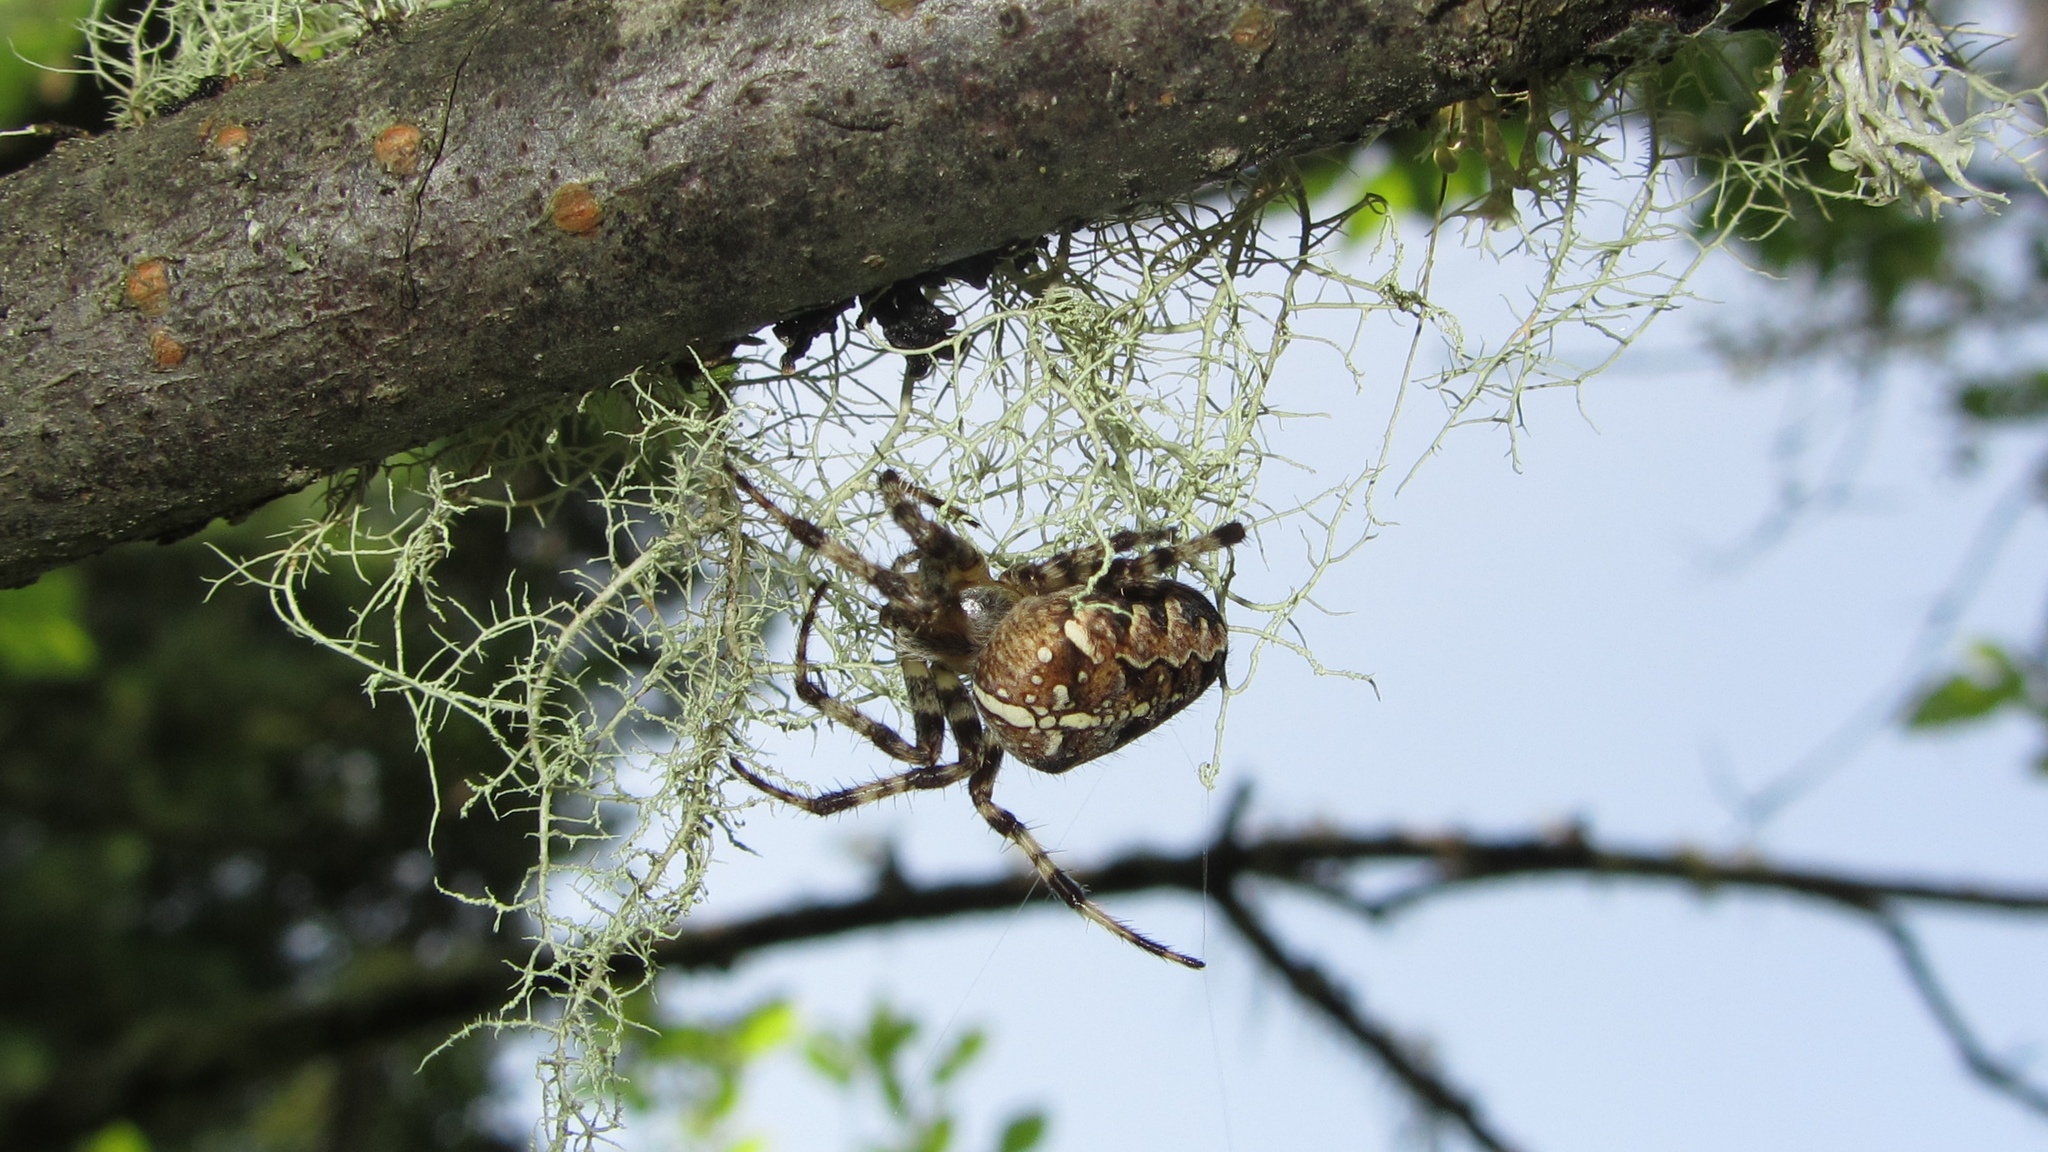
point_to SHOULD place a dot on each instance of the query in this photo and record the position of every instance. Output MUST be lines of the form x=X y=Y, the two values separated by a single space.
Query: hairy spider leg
x=826 y=803
x=1076 y=565
x=1158 y=561
x=936 y=696
x=981 y=786
x=961 y=713
x=927 y=702
x=893 y=585
x=946 y=562
x=927 y=496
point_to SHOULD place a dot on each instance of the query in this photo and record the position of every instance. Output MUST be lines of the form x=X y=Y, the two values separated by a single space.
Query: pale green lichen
x=150 y=56
x=1912 y=108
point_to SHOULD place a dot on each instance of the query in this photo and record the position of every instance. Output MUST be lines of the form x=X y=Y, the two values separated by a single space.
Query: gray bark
x=750 y=158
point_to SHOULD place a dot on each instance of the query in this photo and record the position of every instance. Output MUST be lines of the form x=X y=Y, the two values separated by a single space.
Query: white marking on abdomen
x=1079 y=635
x=1016 y=716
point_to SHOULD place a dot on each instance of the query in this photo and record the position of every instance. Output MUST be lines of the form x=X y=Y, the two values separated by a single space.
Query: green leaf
x=1022 y=1134
x=2005 y=399
x=764 y=1029
x=42 y=630
x=719 y=1103
x=832 y=1057
x=961 y=1056
x=936 y=1137
x=120 y=1136
x=688 y=1043
x=887 y=1034
x=734 y=1044
x=1957 y=700
x=1989 y=682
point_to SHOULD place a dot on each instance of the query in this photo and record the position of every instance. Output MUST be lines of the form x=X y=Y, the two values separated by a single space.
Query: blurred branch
x=161 y=1056
x=1402 y=1060
x=1996 y=1073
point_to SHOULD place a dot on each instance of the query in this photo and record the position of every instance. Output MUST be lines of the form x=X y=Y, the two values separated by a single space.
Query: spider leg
x=945 y=561
x=928 y=497
x=893 y=585
x=1160 y=560
x=1077 y=565
x=826 y=803
x=981 y=786
x=927 y=703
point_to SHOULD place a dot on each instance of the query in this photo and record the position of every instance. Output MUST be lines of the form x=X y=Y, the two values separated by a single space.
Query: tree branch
x=1999 y=1075
x=165 y=1057
x=1461 y=861
x=1428 y=1088
x=192 y=322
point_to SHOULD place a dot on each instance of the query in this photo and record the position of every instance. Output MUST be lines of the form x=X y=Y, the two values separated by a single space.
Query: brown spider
x=1062 y=659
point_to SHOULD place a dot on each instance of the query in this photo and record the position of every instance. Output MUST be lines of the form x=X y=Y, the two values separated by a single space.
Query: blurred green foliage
x=120 y=1136
x=1992 y=681
x=705 y=1064
x=1791 y=215
x=714 y=1057
x=43 y=635
x=2008 y=398
x=39 y=42
x=1705 y=102
x=43 y=39
x=201 y=815
x=877 y=1055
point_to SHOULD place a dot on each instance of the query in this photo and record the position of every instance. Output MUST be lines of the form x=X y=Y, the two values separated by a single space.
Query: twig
x=1998 y=1075
x=1326 y=996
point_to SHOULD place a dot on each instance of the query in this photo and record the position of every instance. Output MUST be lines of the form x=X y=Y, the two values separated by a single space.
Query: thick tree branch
x=193 y=321
x=164 y=1057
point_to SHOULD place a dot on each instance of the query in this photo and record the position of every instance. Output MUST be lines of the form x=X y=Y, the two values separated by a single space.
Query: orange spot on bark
x=230 y=139
x=1253 y=30
x=149 y=287
x=398 y=149
x=164 y=349
x=575 y=210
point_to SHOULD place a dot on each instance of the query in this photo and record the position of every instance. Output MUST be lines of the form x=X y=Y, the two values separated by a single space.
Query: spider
x=1055 y=661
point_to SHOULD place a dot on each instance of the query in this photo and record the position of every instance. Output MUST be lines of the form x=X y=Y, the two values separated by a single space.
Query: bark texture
x=218 y=308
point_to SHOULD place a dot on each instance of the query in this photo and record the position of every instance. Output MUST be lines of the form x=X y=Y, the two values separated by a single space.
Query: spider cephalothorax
x=1061 y=660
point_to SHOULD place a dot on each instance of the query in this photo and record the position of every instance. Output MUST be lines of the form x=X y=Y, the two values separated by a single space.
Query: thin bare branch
x=1999 y=1075
x=1402 y=1060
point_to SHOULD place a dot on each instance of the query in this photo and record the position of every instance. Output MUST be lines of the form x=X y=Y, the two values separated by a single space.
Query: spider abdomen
x=1069 y=676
